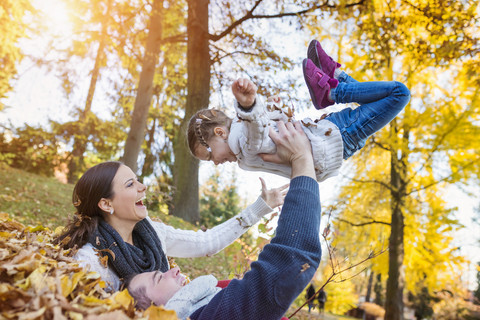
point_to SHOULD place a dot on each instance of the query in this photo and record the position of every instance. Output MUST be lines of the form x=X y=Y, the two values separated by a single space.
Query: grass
x=34 y=200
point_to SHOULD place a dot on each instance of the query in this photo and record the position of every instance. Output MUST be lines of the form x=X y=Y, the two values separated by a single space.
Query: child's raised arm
x=245 y=91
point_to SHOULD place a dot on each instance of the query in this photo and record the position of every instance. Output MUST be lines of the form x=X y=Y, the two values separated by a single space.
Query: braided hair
x=201 y=126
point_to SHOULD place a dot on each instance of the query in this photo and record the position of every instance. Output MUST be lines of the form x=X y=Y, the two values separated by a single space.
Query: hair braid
x=198 y=130
x=202 y=125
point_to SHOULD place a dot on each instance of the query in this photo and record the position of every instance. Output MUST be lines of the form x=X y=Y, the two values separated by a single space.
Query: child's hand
x=245 y=92
x=273 y=197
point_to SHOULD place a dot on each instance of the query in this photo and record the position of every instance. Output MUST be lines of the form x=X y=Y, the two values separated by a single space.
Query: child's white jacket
x=249 y=136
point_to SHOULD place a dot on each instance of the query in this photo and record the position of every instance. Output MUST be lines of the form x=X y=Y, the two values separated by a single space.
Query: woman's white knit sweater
x=249 y=136
x=184 y=243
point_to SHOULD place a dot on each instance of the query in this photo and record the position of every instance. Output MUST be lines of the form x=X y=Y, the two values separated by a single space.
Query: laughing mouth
x=140 y=202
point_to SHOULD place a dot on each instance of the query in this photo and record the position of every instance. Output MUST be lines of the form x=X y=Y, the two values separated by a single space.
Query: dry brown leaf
x=305 y=267
x=3 y=216
x=40 y=281
x=115 y=315
x=154 y=312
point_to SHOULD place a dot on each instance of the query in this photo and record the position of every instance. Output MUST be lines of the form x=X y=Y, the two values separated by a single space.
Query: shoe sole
x=312 y=95
x=312 y=53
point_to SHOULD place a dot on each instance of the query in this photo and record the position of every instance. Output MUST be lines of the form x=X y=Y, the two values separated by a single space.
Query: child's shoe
x=322 y=60
x=318 y=83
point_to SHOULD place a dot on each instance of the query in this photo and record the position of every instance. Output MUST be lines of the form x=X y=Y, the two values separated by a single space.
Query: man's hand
x=293 y=148
x=273 y=197
x=245 y=91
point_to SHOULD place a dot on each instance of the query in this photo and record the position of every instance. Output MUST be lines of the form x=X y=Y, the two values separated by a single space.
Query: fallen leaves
x=39 y=280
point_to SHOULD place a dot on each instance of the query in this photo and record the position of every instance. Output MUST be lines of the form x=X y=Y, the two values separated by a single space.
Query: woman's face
x=128 y=195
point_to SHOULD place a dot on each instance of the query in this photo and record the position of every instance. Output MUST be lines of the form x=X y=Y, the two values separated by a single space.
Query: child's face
x=160 y=287
x=221 y=151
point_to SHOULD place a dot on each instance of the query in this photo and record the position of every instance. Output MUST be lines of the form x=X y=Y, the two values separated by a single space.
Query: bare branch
x=336 y=272
x=440 y=140
x=182 y=37
x=351 y=277
x=249 y=15
x=378 y=144
x=364 y=223
x=443 y=179
x=372 y=181
x=228 y=54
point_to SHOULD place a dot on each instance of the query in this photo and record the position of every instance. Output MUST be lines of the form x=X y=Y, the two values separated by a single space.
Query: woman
x=117 y=238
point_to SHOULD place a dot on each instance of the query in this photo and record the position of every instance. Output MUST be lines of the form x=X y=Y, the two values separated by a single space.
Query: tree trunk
x=76 y=163
x=143 y=100
x=148 y=163
x=396 y=277
x=185 y=168
x=377 y=288
x=369 y=293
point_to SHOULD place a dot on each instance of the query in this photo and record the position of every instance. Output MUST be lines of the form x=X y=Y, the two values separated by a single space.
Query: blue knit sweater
x=284 y=267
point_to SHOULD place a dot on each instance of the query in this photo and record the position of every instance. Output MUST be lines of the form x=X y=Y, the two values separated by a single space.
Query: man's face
x=159 y=287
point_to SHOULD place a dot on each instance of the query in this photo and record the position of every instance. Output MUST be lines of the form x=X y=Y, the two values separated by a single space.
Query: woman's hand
x=273 y=197
x=245 y=92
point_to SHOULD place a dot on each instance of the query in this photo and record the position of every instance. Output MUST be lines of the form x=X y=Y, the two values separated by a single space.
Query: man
x=284 y=267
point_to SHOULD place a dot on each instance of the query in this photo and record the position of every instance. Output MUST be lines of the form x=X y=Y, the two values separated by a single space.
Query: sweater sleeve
x=189 y=244
x=284 y=267
x=256 y=121
x=88 y=259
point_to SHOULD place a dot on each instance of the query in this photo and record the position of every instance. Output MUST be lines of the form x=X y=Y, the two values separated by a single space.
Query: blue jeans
x=380 y=102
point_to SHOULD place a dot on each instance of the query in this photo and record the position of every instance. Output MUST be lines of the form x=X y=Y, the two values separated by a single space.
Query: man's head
x=155 y=287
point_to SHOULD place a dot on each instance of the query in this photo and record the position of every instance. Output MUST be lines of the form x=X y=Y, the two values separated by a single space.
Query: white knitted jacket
x=249 y=136
x=184 y=243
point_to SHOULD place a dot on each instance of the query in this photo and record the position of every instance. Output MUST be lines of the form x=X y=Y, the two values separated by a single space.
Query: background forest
x=84 y=81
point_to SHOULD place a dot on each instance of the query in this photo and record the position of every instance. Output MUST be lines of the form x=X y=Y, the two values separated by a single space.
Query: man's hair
x=138 y=294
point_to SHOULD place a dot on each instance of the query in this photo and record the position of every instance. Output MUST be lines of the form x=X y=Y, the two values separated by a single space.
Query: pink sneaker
x=322 y=60
x=318 y=84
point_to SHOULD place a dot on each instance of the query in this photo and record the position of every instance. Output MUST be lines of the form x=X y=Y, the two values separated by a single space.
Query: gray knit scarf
x=146 y=255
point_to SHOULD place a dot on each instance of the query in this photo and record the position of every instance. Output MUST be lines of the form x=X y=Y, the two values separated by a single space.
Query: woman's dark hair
x=95 y=184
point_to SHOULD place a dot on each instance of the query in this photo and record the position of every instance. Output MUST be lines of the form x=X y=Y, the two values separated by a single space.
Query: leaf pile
x=38 y=280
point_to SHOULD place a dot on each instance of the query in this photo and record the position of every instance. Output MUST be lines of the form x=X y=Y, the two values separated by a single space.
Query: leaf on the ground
x=39 y=280
x=154 y=312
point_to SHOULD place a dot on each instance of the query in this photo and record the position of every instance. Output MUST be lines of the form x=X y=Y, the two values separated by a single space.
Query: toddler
x=212 y=136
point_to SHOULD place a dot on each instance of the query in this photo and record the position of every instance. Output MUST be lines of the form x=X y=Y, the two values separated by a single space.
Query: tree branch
x=439 y=141
x=378 y=144
x=336 y=270
x=182 y=37
x=364 y=223
x=249 y=15
x=228 y=54
x=383 y=184
x=443 y=179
